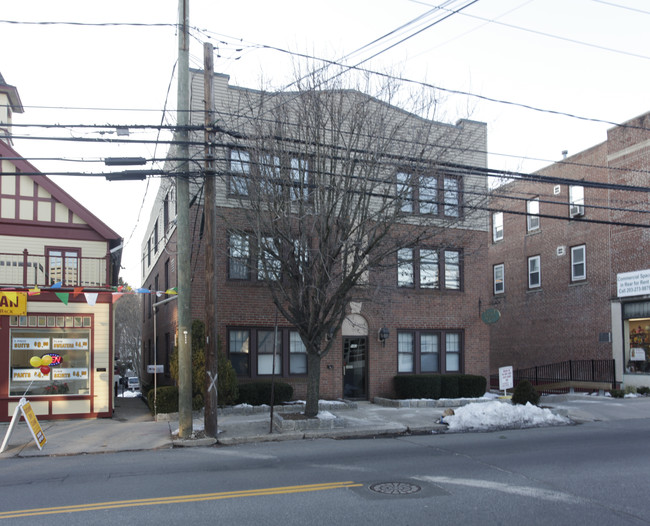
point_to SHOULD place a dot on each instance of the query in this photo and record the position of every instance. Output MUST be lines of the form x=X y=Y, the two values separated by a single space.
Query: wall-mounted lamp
x=384 y=333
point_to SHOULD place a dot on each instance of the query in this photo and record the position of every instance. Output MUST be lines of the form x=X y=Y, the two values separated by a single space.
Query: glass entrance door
x=354 y=367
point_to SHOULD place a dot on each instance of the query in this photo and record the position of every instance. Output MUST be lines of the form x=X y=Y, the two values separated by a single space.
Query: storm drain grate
x=395 y=488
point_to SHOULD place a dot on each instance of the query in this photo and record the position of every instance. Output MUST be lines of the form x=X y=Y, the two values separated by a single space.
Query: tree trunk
x=313 y=384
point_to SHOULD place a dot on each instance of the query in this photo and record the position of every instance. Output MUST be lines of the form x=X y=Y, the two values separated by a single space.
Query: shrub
x=166 y=399
x=418 y=386
x=643 y=390
x=471 y=386
x=259 y=393
x=617 y=393
x=227 y=388
x=449 y=386
x=525 y=392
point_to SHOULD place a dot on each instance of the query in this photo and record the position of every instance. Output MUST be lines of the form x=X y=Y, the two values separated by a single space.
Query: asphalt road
x=595 y=473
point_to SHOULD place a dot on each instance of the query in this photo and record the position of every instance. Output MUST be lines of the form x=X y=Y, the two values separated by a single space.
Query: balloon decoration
x=43 y=363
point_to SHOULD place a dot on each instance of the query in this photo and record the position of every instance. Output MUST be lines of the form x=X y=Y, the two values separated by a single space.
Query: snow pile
x=500 y=415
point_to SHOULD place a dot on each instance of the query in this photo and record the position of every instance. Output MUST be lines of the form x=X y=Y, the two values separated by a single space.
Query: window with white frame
x=578 y=263
x=532 y=214
x=499 y=279
x=240 y=167
x=576 y=201
x=429 y=351
x=497 y=226
x=534 y=272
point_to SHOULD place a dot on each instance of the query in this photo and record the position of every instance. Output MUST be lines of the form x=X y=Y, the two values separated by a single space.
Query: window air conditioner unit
x=576 y=210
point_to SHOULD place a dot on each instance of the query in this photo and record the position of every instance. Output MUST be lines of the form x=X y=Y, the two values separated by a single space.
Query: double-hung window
x=299 y=175
x=240 y=167
x=239 y=256
x=576 y=201
x=269 y=352
x=532 y=214
x=451 y=197
x=269 y=266
x=426 y=268
x=63 y=266
x=578 y=263
x=497 y=226
x=258 y=352
x=422 y=194
x=534 y=272
x=499 y=279
x=429 y=351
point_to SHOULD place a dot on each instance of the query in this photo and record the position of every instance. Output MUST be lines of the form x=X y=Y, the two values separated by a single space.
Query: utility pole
x=210 y=215
x=183 y=226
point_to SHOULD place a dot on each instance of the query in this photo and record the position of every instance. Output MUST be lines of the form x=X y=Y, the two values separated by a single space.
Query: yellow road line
x=177 y=499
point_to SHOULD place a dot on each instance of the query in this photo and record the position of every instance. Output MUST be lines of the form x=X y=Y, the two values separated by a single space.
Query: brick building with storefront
x=562 y=247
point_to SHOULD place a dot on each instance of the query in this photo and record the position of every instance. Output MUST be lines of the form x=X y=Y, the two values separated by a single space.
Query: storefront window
x=69 y=367
x=637 y=352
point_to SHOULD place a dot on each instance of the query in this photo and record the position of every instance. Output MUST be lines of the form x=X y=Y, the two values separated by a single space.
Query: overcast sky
x=586 y=58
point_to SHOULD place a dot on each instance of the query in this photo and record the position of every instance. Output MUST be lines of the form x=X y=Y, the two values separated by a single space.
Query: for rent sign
x=635 y=283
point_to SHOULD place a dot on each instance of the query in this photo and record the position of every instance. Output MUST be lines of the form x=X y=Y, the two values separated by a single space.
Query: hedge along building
x=58 y=263
x=316 y=187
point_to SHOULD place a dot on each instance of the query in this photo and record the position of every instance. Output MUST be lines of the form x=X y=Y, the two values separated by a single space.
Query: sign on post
x=506 y=378
x=153 y=369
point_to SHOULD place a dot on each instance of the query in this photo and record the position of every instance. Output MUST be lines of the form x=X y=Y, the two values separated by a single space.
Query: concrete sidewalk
x=132 y=427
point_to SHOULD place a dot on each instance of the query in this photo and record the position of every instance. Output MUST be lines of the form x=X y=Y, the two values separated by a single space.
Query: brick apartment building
x=570 y=266
x=433 y=324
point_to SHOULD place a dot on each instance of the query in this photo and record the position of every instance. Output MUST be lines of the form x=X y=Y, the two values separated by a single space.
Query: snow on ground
x=500 y=415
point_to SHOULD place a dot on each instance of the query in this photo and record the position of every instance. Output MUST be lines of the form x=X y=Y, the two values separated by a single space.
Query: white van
x=133 y=383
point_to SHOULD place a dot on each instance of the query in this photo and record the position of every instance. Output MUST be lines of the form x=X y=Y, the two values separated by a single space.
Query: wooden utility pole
x=210 y=243
x=183 y=226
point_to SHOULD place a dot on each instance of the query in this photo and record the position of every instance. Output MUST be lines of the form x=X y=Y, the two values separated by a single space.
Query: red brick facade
x=567 y=318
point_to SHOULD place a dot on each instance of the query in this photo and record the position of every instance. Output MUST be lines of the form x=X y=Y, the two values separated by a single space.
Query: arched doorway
x=355 y=357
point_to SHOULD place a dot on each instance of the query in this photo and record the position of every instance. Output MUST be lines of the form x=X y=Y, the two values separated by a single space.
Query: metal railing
x=563 y=376
x=30 y=270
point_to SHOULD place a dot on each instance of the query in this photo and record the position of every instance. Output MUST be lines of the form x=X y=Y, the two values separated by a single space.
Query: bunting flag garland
x=77 y=291
x=143 y=291
x=63 y=296
x=171 y=291
x=34 y=292
x=91 y=297
x=57 y=285
x=116 y=296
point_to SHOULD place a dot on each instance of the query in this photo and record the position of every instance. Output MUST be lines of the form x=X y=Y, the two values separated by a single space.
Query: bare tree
x=128 y=331
x=326 y=179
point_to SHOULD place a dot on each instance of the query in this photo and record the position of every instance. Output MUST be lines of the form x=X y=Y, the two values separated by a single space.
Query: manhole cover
x=395 y=488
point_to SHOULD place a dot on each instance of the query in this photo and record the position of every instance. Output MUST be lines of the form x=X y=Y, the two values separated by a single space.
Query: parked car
x=133 y=383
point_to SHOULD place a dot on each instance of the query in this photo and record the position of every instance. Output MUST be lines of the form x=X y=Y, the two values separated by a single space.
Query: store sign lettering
x=635 y=283
x=62 y=344
x=13 y=303
x=31 y=344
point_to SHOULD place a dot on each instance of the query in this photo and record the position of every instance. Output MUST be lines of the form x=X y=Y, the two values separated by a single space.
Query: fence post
x=570 y=370
x=25 y=267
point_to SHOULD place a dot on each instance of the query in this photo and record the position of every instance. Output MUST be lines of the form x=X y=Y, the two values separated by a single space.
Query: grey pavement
x=133 y=428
